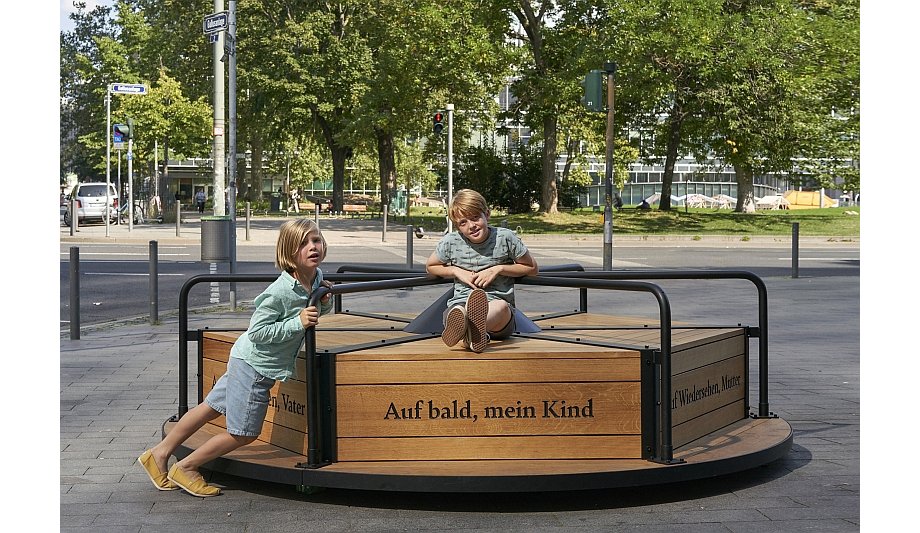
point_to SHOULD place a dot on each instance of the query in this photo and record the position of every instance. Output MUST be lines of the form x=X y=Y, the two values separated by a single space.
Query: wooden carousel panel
x=334 y=330
x=634 y=337
x=211 y=371
x=719 y=347
x=469 y=448
x=686 y=338
x=511 y=348
x=590 y=319
x=278 y=435
x=286 y=420
x=283 y=437
x=488 y=409
x=681 y=338
x=221 y=336
x=339 y=330
x=620 y=366
x=710 y=396
x=287 y=405
x=630 y=339
x=708 y=388
x=523 y=398
x=333 y=340
x=393 y=317
x=338 y=320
